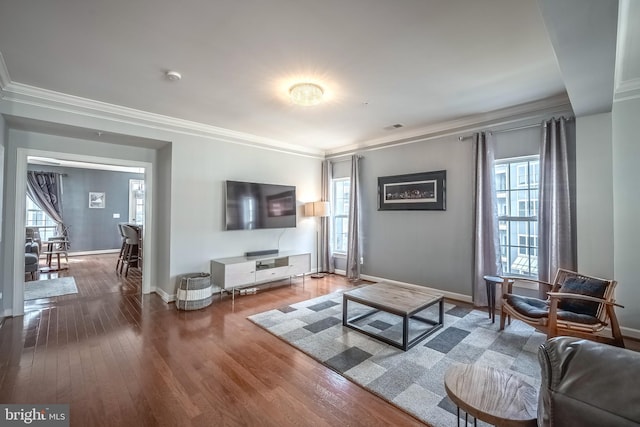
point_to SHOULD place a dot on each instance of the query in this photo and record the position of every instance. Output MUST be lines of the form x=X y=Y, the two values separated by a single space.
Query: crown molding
x=44 y=98
x=558 y=104
x=629 y=89
x=30 y=95
x=4 y=74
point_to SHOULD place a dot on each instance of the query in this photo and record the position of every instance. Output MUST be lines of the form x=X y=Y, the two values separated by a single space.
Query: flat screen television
x=252 y=206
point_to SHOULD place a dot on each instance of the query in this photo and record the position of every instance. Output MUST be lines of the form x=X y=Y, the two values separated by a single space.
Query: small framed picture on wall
x=96 y=200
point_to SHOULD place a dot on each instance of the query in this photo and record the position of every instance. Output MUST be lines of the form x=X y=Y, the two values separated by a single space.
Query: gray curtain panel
x=486 y=242
x=354 y=243
x=45 y=189
x=555 y=229
x=326 y=255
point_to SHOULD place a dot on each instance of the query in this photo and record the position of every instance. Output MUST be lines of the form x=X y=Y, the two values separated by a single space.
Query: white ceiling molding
x=627 y=79
x=25 y=94
x=4 y=74
x=49 y=161
x=629 y=89
x=515 y=115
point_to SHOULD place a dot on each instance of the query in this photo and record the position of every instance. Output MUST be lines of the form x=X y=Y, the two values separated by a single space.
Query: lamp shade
x=317 y=209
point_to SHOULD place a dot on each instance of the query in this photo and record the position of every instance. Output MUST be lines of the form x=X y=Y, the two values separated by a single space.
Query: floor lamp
x=317 y=209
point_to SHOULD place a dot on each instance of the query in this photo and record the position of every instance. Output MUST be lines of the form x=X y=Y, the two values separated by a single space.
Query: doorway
x=20 y=202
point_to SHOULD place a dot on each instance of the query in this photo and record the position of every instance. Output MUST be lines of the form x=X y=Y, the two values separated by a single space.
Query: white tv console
x=241 y=271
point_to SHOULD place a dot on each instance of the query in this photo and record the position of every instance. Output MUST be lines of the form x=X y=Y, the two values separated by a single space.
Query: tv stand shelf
x=239 y=272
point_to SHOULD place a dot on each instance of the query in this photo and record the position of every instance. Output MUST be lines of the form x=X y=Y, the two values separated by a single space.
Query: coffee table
x=492 y=395
x=404 y=300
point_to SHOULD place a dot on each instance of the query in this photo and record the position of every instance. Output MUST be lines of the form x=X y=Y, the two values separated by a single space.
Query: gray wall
x=431 y=248
x=3 y=137
x=93 y=229
x=626 y=209
x=595 y=195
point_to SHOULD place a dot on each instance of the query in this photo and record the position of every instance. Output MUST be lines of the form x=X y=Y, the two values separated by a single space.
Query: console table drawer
x=299 y=264
x=239 y=274
x=272 y=273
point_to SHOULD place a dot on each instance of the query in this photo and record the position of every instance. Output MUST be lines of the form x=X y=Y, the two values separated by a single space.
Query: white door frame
x=148 y=264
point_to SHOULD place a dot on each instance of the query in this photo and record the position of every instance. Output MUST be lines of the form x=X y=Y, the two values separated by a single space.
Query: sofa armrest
x=585 y=383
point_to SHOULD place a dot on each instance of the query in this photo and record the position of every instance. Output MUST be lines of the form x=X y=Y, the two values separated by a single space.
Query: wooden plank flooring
x=120 y=359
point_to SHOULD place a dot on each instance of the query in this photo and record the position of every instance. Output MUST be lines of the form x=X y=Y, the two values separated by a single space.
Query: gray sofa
x=585 y=383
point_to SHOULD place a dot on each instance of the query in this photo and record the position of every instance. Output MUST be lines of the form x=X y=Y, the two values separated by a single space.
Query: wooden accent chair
x=578 y=305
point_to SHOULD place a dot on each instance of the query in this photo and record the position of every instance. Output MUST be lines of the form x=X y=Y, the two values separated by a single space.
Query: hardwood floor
x=120 y=359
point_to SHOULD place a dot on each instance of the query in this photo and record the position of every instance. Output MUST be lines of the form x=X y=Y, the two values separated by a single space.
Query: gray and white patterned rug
x=49 y=288
x=412 y=380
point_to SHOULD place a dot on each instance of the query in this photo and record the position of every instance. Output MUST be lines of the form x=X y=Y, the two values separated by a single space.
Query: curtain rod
x=492 y=132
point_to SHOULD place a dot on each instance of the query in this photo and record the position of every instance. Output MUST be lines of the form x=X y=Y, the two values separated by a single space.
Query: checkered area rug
x=412 y=380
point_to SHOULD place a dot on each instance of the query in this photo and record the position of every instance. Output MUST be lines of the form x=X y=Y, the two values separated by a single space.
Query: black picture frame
x=423 y=191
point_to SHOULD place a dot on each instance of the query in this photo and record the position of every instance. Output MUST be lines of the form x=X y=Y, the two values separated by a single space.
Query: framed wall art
x=96 y=200
x=424 y=191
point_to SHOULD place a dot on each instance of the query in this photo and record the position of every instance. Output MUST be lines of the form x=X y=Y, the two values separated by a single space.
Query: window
x=39 y=219
x=136 y=201
x=517 y=195
x=340 y=218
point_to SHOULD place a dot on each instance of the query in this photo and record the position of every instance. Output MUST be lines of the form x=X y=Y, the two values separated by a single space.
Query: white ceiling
x=413 y=62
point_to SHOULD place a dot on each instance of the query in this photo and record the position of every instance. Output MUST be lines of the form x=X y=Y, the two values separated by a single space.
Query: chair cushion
x=530 y=307
x=539 y=309
x=584 y=286
x=30 y=259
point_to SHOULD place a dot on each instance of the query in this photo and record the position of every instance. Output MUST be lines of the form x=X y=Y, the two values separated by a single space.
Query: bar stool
x=124 y=238
x=130 y=255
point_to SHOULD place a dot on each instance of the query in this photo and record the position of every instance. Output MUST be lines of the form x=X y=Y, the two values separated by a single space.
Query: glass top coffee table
x=404 y=300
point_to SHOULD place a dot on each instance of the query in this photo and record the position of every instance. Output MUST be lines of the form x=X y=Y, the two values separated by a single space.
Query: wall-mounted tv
x=251 y=205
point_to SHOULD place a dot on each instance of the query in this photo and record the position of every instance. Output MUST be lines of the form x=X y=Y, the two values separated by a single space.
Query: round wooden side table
x=492 y=395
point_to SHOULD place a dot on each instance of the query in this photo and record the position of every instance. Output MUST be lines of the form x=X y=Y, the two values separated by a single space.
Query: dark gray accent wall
x=93 y=229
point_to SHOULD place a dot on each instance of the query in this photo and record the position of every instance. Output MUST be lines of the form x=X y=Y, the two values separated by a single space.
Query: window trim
x=511 y=189
x=337 y=252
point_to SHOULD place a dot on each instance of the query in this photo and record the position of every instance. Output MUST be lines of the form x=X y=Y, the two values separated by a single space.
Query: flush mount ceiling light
x=306 y=94
x=173 y=76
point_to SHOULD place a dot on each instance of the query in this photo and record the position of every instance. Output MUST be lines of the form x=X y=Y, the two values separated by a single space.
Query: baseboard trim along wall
x=165 y=296
x=628 y=332
x=99 y=252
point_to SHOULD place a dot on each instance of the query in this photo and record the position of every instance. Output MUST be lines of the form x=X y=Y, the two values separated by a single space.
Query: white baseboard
x=98 y=252
x=447 y=294
x=165 y=296
x=630 y=332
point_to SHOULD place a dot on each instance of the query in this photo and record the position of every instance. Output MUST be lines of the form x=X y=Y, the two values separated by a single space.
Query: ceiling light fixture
x=306 y=94
x=173 y=76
